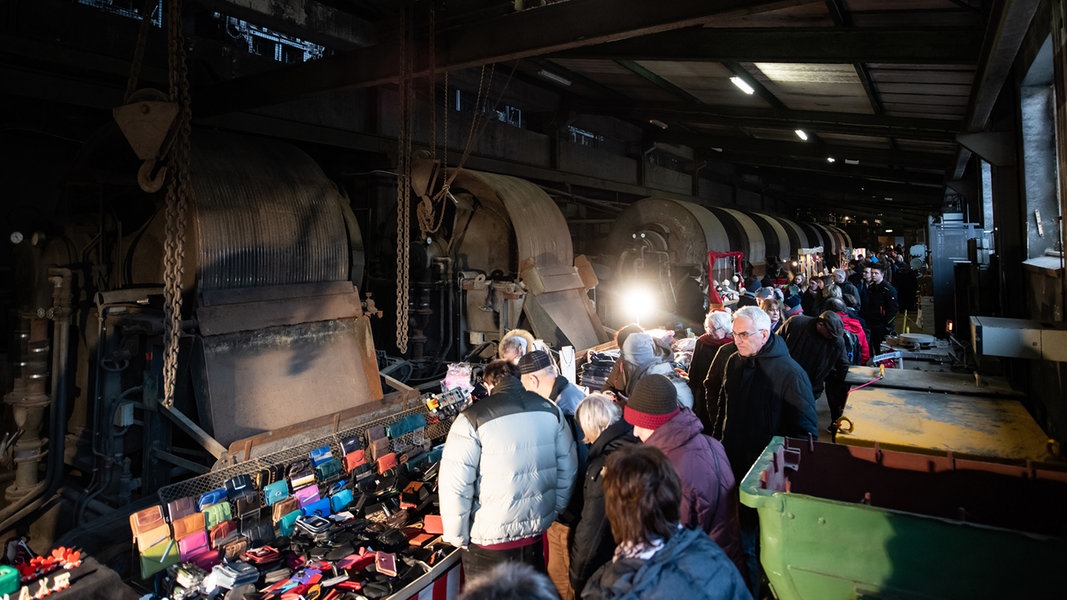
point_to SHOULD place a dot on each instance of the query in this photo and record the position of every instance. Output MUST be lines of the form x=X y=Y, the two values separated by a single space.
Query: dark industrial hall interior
x=241 y=230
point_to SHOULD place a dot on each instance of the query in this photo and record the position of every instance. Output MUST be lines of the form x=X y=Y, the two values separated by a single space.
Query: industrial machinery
x=659 y=239
x=272 y=330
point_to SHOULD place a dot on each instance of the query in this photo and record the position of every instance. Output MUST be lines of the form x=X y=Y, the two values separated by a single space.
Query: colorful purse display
x=149 y=527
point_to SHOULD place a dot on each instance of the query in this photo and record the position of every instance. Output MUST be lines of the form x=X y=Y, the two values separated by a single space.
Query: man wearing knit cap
x=540 y=376
x=709 y=492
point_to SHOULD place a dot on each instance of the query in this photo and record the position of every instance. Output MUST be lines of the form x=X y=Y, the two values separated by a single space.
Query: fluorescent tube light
x=742 y=85
x=549 y=75
x=801 y=134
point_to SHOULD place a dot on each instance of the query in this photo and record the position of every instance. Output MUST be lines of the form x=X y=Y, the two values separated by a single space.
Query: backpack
x=853 y=348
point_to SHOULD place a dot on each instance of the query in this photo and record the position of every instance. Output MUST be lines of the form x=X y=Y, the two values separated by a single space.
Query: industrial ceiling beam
x=911 y=179
x=1005 y=33
x=827 y=122
x=837 y=45
x=806 y=150
x=534 y=32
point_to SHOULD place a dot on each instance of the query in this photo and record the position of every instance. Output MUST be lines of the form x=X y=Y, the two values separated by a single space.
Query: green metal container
x=842 y=522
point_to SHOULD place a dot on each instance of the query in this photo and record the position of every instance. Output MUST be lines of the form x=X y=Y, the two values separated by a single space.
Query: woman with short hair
x=656 y=557
x=606 y=431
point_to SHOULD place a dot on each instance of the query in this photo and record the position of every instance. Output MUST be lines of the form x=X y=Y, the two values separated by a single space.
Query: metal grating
x=216 y=479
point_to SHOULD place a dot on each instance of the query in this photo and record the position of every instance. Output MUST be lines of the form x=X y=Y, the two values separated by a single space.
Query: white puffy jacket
x=508 y=467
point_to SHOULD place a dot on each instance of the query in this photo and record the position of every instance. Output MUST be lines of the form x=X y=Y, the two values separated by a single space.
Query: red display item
x=387 y=462
x=385 y=563
x=262 y=555
x=432 y=524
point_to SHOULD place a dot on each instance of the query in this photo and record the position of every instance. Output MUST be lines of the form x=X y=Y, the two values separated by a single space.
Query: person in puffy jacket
x=709 y=493
x=507 y=469
x=593 y=544
x=657 y=558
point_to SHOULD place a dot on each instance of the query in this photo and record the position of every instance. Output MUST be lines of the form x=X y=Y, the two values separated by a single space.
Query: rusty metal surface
x=265 y=215
x=270 y=378
x=920 y=421
x=912 y=379
x=287 y=305
x=691 y=230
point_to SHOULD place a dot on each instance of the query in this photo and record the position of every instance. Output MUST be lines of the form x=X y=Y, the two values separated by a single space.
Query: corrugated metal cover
x=265 y=215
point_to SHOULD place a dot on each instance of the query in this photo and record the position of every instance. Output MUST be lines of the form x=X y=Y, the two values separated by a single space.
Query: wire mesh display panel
x=436 y=429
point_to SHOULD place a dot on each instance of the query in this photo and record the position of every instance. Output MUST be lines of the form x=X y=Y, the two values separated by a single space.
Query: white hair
x=718 y=319
x=595 y=413
x=759 y=317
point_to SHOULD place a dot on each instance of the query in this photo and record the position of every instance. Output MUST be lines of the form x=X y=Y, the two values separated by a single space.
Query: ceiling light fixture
x=549 y=75
x=657 y=123
x=889 y=231
x=852 y=161
x=742 y=85
x=801 y=134
x=830 y=159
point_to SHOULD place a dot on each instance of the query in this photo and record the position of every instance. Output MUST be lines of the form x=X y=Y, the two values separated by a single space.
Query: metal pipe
x=61 y=304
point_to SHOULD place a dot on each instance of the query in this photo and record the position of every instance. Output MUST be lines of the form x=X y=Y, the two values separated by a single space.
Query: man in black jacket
x=880 y=308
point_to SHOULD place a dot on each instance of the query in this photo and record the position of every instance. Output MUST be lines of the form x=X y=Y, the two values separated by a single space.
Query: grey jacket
x=508 y=467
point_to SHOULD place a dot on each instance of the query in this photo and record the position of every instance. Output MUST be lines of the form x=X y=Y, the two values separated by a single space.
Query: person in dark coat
x=764 y=393
x=709 y=492
x=593 y=544
x=717 y=333
x=657 y=558
x=880 y=308
x=818 y=346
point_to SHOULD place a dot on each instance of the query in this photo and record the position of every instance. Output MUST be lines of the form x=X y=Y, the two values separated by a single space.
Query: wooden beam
x=916 y=45
x=534 y=32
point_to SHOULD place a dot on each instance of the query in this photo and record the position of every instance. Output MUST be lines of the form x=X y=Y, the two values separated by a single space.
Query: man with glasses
x=764 y=393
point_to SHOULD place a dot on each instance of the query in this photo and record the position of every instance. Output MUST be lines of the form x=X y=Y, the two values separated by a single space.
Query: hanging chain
x=138 y=51
x=178 y=198
x=403 y=190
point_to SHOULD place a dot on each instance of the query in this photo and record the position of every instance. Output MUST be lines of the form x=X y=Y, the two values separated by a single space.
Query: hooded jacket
x=593 y=544
x=644 y=356
x=819 y=356
x=689 y=566
x=507 y=469
x=763 y=396
x=709 y=489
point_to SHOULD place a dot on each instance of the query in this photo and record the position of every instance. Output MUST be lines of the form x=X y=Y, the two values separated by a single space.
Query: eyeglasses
x=744 y=335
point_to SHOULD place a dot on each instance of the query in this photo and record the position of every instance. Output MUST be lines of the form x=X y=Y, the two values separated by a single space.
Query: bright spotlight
x=638 y=303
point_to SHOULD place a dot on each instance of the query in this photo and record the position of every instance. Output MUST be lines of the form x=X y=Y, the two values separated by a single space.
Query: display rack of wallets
x=344 y=515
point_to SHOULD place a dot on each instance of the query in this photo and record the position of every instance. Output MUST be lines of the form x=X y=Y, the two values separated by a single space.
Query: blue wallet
x=318 y=509
x=341 y=500
x=208 y=498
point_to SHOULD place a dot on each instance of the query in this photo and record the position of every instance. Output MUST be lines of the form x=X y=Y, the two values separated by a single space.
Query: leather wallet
x=350 y=444
x=246 y=502
x=285 y=507
x=263 y=533
x=238 y=485
x=306 y=495
x=320 y=455
x=149 y=527
x=432 y=524
x=213 y=497
x=341 y=500
x=182 y=507
x=188 y=525
x=275 y=492
x=158 y=557
x=217 y=513
x=301 y=473
x=288 y=522
x=354 y=459
x=222 y=533
x=386 y=462
x=328 y=469
x=234 y=548
x=319 y=508
x=193 y=545
x=205 y=560
x=379 y=448
x=268 y=475
x=375 y=432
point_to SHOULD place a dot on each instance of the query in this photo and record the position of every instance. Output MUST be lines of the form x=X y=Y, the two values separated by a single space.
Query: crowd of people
x=634 y=489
